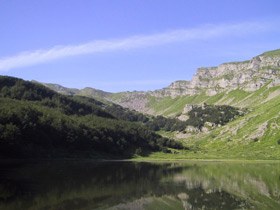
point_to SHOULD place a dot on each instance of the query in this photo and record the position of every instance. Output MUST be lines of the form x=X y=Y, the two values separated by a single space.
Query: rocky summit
x=249 y=76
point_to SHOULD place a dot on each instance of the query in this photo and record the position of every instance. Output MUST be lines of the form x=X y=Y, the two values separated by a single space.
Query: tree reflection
x=123 y=185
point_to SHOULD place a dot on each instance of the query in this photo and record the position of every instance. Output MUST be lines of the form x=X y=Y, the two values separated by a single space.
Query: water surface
x=74 y=185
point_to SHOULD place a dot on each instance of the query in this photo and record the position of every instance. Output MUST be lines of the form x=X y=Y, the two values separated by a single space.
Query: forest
x=38 y=122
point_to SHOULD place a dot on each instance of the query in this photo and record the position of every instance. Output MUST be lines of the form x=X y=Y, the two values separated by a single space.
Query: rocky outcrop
x=248 y=75
x=133 y=100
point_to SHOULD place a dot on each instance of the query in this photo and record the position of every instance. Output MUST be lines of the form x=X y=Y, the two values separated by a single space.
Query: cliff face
x=248 y=75
x=136 y=100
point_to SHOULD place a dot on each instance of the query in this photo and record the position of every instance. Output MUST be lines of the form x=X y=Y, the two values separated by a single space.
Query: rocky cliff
x=247 y=75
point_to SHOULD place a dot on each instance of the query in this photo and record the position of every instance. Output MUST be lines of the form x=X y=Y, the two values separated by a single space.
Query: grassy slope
x=272 y=53
x=253 y=136
x=168 y=106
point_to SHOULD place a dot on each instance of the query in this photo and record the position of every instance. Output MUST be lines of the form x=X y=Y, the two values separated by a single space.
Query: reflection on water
x=129 y=185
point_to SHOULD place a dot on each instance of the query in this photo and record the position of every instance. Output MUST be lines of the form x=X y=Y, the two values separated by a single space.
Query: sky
x=127 y=45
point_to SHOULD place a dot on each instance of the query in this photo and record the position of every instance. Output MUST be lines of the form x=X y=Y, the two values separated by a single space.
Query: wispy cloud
x=142 y=41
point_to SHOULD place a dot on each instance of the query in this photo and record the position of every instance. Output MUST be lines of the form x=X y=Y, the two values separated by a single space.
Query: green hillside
x=38 y=122
x=256 y=135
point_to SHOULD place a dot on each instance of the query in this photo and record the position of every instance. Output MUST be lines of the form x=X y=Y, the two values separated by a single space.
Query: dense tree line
x=115 y=110
x=168 y=124
x=218 y=115
x=154 y=123
x=198 y=116
x=23 y=90
x=35 y=121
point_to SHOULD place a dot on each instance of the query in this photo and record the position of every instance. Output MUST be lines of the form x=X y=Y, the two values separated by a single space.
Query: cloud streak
x=206 y=32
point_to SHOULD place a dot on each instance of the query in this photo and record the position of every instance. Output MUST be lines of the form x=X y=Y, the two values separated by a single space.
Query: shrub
x=256 y=139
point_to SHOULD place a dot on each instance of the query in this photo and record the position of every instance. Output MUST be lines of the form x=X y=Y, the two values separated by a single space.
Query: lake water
x=74 y=185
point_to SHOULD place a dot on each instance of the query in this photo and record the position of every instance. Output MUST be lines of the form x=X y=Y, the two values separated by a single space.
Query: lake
x=87 y=185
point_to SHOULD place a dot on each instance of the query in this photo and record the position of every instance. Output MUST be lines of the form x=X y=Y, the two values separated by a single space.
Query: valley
x=252 y=86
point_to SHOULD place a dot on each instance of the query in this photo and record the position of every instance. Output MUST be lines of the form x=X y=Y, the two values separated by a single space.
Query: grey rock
x=248 y=75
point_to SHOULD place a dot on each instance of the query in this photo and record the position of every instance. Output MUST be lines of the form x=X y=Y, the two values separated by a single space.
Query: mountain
x=88 y=91
x=252 y=87
x=248 y=76
x=228 y=111
x=36 y=121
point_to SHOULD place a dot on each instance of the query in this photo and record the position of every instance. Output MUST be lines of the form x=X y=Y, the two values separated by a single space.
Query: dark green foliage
x=22 y=90
x=167 y=124
x=115 y=110
x=198 y=116
x=255 y=139
x=219 y=115
x=154 y=123
x=37 y=122
x=278 y=142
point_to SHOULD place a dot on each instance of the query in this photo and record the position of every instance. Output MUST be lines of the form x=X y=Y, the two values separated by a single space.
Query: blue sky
x=126 y=45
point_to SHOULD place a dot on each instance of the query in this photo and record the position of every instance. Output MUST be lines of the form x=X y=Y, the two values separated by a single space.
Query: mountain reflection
x=130 y=185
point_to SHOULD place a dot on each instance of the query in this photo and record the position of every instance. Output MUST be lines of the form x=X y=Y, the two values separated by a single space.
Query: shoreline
x=158 y=160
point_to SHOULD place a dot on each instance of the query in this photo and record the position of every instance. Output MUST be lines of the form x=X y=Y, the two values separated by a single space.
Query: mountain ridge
x=248 y=76
x=253 y=85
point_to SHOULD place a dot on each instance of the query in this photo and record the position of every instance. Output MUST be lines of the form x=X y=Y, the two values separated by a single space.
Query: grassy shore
x=200 y=156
